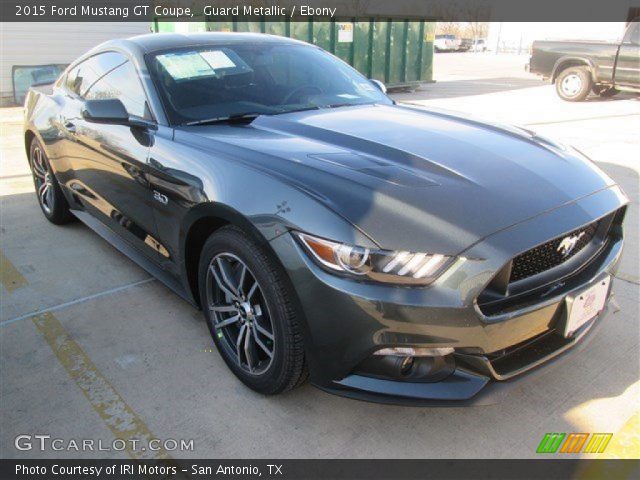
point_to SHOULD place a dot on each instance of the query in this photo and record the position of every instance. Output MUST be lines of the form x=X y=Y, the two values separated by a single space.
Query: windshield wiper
x=238 y=117
x=302 y=109
x=241 y=117
x=346 y=104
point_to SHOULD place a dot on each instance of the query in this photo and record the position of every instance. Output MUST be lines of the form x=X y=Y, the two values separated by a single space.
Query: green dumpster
x=396 y=51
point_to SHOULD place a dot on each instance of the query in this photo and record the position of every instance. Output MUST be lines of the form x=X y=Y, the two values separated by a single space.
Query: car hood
x=410 y=178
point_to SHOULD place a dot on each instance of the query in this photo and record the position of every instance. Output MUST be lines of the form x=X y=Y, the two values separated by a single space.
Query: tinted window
x=218 y=81
x=88 y=72
x=123 y=84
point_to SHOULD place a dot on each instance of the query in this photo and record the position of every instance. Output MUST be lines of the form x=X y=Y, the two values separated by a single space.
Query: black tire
x=605 y=92
x=287 y=366
x=573 y=84
x=52 y=202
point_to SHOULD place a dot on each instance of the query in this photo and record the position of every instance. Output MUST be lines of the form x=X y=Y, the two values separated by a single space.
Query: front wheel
x=573 y=84
x=250 y=310
x=50 y=196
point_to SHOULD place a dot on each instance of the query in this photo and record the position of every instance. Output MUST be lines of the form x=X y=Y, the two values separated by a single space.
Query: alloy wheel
x=43 y=180
x=240 y=316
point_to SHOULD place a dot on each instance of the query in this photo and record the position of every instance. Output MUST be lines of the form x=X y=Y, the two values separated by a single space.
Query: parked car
x=580 y=67
x=391 y=252
x=479 y=45
x=465 y=44
x=473 y=45
x=446 y=43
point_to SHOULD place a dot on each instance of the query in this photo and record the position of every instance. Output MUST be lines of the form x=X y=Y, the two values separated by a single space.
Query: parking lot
x=91 y=347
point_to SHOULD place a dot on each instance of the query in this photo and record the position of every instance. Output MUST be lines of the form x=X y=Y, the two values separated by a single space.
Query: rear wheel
x=50 y=196
x=249 y=308
x=573 y=84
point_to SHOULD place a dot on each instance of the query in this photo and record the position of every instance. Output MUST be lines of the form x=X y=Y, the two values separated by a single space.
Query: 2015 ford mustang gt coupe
x=389 y=252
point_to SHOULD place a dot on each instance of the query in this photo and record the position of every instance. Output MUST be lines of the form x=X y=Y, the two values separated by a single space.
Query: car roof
x=161 y=41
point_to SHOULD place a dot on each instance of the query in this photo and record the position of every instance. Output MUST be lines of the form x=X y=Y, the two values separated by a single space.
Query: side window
x=123 y=84
x=70 y=82
x=633 y=34
x=82 y=76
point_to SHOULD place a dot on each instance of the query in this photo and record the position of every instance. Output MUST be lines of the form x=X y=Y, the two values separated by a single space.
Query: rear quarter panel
x=41 y=119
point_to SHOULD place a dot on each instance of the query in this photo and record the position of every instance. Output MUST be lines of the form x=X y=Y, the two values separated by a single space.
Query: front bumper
x=345 y=321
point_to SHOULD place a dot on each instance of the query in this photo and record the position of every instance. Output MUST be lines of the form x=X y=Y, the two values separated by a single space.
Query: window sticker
x=208 y=63
x=217 y=59
x=187 y=65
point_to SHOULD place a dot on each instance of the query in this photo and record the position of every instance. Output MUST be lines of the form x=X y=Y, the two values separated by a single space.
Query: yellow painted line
x=10 y=277
x=103 y=397
x=123 y=422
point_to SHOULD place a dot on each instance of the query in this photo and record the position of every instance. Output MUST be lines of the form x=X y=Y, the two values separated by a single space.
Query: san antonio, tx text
x=118 y=469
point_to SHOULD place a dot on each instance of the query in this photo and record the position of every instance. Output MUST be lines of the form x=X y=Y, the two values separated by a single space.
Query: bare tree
x=450 y=28
x=477 y=30
x=478 y=15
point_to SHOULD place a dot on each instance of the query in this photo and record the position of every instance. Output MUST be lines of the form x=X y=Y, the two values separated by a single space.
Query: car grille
x=549 y=255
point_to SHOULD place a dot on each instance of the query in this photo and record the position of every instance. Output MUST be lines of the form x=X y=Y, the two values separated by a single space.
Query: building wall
x=45 y=43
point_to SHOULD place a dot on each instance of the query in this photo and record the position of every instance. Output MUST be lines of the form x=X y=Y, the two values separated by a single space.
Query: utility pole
x=520 y=44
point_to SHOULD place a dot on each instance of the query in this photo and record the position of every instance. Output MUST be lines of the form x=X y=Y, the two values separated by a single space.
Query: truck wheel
x=605 y=92
x=574 y=84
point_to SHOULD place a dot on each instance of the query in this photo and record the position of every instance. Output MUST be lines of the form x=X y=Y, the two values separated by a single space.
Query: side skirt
x=134 y=254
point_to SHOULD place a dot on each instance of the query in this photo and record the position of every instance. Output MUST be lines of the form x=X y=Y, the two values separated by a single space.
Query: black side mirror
x=112 y=111
x=105 y=111
x=379 y=85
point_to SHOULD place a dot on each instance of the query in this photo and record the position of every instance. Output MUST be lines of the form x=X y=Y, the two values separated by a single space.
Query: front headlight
x=387 y=266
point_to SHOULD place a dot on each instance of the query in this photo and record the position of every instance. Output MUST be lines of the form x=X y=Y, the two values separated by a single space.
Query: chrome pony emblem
x=568 y=244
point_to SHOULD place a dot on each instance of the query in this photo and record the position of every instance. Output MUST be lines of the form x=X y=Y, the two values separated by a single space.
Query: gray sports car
x=392 y=253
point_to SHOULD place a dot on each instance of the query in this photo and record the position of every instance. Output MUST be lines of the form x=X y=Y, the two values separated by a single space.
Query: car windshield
x=215 y=82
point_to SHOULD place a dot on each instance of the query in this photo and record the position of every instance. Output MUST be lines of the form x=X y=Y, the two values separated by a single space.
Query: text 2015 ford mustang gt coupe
x=391 y=253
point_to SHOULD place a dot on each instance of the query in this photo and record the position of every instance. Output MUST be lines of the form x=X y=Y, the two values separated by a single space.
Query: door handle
x=156 y=164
